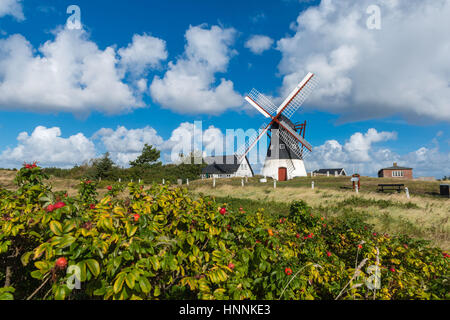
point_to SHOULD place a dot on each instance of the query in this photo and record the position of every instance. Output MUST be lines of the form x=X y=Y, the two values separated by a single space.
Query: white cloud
x=143 y=53
x=13 y=8
x=46 y=146
x=359 y=154
x=259 y=43
x=401 y=69
x=191 y=137
x=71 y=74
x=188 y=86
x=125 y=145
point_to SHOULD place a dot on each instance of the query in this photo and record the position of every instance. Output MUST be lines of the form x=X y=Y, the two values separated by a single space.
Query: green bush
x=159 y=243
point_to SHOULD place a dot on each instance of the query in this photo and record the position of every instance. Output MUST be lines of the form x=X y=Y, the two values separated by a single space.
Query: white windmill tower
x=288 y=147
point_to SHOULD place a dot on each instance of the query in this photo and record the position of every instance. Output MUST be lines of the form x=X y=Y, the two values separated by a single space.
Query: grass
x=422 y=216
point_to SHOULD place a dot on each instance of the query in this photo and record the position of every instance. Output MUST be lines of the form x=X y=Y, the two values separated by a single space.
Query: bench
x=397 y=187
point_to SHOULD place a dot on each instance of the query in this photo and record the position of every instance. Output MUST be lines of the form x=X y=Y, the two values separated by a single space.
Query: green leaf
x=145 y=285
x=26 y=257
x=130 y=280
x=118 y=284
x=56 y=228
x=131 y=230
x=69 y=226
x=93 y=266
x=60 y=293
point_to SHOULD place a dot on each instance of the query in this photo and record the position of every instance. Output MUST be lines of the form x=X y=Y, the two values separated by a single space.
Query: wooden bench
x=397 y=187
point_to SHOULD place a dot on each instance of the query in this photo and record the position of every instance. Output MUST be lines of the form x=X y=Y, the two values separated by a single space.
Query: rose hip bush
x=160 y=243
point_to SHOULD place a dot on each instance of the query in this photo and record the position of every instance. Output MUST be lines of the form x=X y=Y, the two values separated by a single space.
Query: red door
x=282 y=174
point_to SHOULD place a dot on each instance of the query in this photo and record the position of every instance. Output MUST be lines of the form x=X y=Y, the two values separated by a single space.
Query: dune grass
x=419 y=217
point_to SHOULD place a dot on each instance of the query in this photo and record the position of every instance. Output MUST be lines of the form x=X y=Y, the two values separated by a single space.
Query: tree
x=103 y=166
x=148 y=157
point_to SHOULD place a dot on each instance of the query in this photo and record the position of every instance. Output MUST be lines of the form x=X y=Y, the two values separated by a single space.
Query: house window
x=397 y=174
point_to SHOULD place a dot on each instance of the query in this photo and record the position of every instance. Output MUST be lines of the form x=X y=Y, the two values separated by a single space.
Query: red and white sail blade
x=292 y=143
x=296 y=136
x=261 y=103
x=294 y=101
x=251 y=143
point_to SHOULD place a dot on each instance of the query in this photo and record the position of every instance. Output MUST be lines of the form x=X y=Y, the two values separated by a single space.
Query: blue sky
x=378 y=102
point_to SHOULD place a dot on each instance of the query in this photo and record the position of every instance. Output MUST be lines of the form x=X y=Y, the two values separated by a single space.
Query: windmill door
x=282 y=174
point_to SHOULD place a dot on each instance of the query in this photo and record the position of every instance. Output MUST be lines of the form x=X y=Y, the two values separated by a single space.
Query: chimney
x=395 y=164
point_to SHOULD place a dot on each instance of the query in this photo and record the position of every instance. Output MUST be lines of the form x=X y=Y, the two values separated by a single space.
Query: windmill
x=288 y=147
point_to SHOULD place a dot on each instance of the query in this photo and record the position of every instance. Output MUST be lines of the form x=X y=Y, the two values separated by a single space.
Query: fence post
x=120 y=180
x=356 y=188
x=407 y=193
x=312 y=185
x=187 y=182
x=214 y=182
x=242 y=182
x=274 y=183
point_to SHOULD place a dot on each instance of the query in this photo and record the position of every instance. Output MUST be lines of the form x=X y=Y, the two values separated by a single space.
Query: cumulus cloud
x=46 y=146
x=125 y=145
x=360 y=154
x=12 y=8
x=191 y=138
x=259 y=43
x=143 y=53
x=188 y=86
x=403 y=68
x=71 y=74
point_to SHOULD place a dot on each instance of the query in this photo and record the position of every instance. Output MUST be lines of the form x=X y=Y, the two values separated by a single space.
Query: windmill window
x=282 y=146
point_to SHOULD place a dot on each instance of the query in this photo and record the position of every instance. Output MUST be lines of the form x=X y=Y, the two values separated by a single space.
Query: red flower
x=241 y=209
x=50 y=208
x=374 y=234
x=61 y=263
x=223 y=211
x=109 y=188
x=136 y=217
x=360 y=246
x=288 y=271
x=59 y=205
x=392 y=269
x=92 y=206
x=231 y=266
x=297 y=236
x=311 y=235
x=329 y=254
x=229 y=227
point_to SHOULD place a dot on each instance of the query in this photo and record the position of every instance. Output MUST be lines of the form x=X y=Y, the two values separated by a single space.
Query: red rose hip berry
x=61 y=263
x=223 y=211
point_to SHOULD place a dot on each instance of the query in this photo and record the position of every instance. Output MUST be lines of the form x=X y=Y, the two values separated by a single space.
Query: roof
x=223 y=165
x=324 y=171
x=396 y=168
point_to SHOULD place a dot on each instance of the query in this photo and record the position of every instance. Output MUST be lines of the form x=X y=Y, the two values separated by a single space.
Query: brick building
x=396 y=172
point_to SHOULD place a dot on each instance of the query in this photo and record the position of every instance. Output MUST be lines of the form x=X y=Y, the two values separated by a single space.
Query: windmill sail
x=294 y=101
x=251 y=143
x=261 y=103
